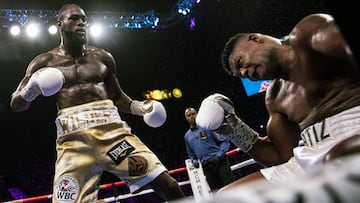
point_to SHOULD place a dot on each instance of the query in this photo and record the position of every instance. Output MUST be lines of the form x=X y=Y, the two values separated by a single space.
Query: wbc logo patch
x=66 y=189
x=120 y=151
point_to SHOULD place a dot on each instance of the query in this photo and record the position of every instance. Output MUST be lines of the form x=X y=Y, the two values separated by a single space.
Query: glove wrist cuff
x=136 y=108
x=29 y=94
x=241 y=134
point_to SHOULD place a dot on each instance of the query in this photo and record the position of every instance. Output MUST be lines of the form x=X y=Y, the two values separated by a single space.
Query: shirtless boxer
x=314 y=96
x=91 y=137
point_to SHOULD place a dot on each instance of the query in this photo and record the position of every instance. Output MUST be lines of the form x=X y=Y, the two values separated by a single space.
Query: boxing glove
x=46 y=81
x=212 y=111
x=217 y=113
x=153 y=112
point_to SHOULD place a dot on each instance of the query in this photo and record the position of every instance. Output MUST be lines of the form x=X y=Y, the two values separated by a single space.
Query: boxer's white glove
x=153 y=112
x=212 y=111
x=217 y=112
x=46 y=81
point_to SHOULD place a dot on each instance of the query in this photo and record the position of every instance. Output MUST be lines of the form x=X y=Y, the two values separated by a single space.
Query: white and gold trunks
x=92 y=139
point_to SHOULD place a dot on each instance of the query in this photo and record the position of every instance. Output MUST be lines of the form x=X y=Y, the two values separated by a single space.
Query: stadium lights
x=15 y=30
x=163 y=94
x=96 y=30
x=32 y=30
x=130 y=20
x=114 y=20
x=135 y=20
x=52 y=29
x=184 y=7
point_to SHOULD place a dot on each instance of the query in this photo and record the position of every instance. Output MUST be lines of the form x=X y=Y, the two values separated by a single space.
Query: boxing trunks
x=92 y=138
x=338 y=181
x=318 y=140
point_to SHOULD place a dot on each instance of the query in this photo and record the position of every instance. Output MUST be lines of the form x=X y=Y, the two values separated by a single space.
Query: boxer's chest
x=82 y=69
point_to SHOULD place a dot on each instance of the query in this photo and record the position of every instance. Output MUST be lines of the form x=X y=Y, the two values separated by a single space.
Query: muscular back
x=303 y=107
x=324 y=69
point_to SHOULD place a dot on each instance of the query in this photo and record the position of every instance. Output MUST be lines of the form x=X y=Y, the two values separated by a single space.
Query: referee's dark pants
x=218 y=172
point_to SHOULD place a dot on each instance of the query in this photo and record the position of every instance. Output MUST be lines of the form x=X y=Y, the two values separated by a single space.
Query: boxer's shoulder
x=276 y=90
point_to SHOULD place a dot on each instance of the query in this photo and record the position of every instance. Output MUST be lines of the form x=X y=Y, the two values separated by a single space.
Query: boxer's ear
x=254 y=38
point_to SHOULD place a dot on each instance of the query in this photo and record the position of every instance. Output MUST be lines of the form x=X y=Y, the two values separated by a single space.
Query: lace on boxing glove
x=136 y=108
x=239 y=133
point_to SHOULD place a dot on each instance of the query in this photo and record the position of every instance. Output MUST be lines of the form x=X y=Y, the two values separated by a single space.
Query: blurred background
x=164 y=49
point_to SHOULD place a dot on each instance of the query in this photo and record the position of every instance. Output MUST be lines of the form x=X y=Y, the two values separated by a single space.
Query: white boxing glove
x=153 y=112
x=211 y=116
x=212 y=111
x=46 y=81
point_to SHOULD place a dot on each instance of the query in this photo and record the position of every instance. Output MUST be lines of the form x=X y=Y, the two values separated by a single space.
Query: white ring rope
x=125 y=196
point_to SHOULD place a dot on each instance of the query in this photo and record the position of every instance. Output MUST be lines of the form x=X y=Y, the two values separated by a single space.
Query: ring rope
x=121 y=183
x=125 y=196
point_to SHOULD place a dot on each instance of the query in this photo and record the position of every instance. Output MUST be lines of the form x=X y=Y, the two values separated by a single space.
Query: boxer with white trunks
x=338 y=181
x=314 y=97
x=318 y=139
